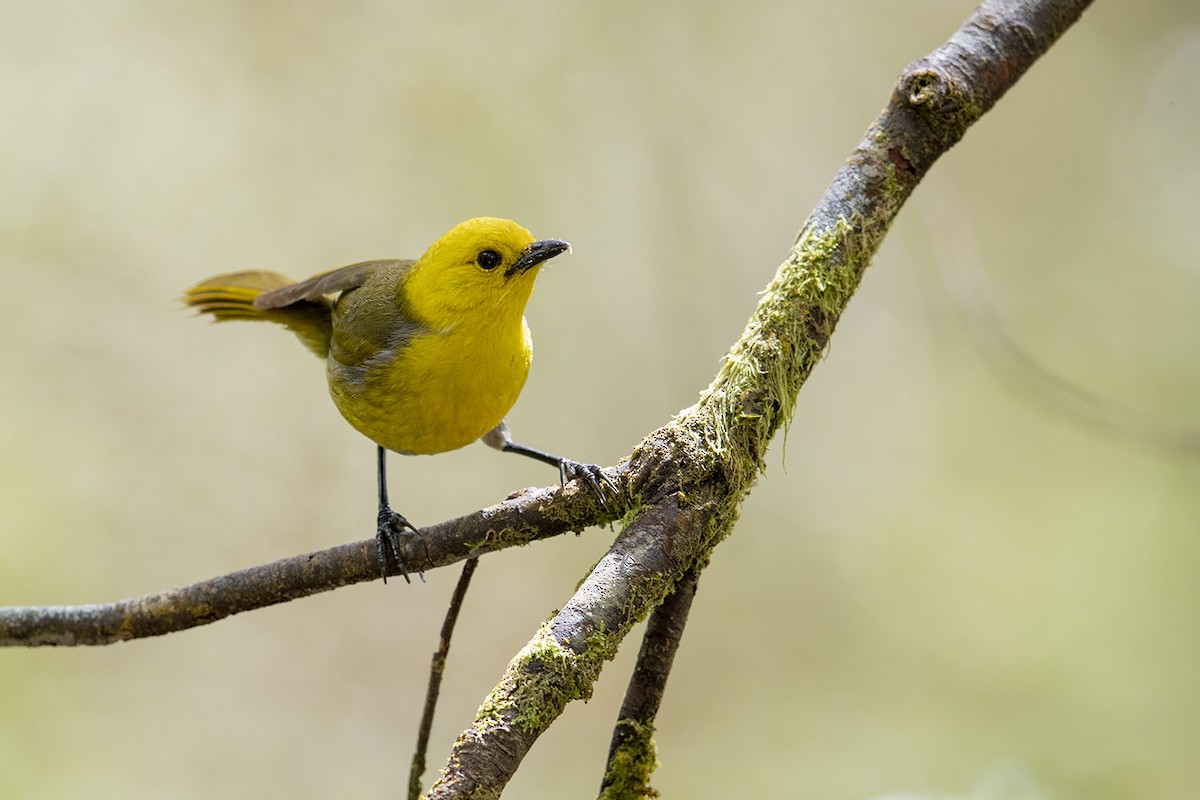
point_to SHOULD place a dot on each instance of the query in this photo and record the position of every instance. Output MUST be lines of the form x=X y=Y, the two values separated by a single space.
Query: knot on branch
x=941 y=97
x=923 y=87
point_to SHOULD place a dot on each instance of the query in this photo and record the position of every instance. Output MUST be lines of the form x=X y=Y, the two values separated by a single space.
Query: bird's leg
x=568 y=469
x=390 y=525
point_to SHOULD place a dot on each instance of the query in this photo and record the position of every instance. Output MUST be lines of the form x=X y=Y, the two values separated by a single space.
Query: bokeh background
x=943 y=586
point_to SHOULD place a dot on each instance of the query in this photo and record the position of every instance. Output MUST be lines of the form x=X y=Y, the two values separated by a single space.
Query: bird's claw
x=591 y=474
x=387 y=541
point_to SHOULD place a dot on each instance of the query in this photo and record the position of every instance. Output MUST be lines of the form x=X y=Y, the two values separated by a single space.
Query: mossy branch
x=692 y=474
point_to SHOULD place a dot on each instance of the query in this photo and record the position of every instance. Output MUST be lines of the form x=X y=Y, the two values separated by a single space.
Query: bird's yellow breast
x=441 y=391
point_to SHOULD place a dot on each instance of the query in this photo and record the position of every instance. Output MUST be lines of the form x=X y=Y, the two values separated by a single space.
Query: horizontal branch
x=525 y=517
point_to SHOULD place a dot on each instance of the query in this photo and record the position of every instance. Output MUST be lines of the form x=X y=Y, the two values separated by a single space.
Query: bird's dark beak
x=535 y=254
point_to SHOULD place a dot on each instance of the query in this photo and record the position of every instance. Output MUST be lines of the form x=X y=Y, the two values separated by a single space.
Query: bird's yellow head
x=481 y=270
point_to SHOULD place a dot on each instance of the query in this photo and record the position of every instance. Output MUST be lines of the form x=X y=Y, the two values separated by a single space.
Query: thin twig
x=437 y=668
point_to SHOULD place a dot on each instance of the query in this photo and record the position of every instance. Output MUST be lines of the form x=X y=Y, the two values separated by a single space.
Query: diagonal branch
x=692 y=474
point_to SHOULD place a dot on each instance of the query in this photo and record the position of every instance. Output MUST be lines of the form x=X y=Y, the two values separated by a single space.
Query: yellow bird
x=421 y=356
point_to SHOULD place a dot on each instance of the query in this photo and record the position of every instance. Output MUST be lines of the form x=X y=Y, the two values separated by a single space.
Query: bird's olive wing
x=320 y=286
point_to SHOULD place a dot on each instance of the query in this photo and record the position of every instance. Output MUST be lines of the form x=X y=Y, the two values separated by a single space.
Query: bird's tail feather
x=231 y=296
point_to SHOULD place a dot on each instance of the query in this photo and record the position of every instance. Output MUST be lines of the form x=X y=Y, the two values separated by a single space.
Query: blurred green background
x=944 y=588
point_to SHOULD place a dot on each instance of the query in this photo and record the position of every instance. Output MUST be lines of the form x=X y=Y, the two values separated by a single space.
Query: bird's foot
x=591 y=474
x=387 y=540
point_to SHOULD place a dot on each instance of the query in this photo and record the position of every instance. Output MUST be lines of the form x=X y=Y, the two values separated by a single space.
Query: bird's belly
x=436 y=396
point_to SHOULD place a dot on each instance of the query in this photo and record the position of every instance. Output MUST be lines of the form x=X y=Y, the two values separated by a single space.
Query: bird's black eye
x=488 y=259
